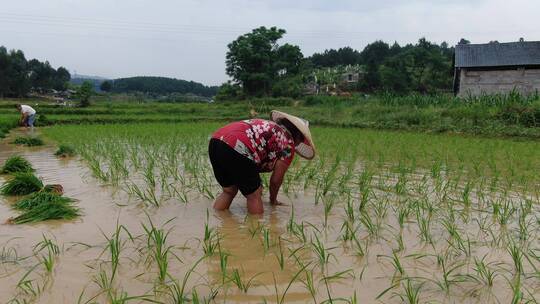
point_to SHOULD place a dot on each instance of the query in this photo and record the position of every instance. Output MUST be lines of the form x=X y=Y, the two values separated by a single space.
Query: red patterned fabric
x=260 y=140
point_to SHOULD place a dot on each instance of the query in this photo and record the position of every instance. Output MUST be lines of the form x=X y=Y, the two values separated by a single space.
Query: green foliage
x=28 y=141
x=230 y=91
x=106 y=86
x=44 y=206
x=256 y=61
x=18 y=76
x=84 y=92
x=38 y=198
x=21 y=184
x=158 y=85
x=16 y=164
x=65 y=151
x=424 y=67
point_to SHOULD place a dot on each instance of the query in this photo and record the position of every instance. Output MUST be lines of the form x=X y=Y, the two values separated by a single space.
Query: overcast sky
x=188 y=39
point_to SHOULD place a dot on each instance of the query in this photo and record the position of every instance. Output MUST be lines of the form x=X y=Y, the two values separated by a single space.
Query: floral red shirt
x=262 y=141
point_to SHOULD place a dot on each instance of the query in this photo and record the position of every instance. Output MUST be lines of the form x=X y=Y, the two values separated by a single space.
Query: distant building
x=497 y=68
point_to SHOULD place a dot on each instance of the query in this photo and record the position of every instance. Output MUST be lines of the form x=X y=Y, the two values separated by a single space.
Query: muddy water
x=83 y=247
x=103 y=206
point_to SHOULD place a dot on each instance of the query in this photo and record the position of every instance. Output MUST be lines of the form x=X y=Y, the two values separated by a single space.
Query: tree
x=61 y=79
x=256 y=61
x=84 y=92
x=106 y=86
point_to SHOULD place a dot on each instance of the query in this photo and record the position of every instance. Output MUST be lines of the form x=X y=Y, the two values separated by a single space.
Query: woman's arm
x=276 y=180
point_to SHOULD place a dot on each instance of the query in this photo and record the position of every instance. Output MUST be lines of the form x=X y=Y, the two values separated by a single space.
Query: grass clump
x=16 y=164
x=44 y=206
x=21 y=184
x=65 y=151
x=28 y=141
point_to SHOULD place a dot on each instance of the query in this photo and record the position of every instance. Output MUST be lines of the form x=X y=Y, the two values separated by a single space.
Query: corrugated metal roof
x=498 y=54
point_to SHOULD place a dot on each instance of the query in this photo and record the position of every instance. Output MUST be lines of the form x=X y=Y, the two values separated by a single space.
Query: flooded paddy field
x=377 y=217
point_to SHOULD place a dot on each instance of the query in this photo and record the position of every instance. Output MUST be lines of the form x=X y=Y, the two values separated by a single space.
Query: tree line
x=19 y=76
x=157 y=85
x=260 y=66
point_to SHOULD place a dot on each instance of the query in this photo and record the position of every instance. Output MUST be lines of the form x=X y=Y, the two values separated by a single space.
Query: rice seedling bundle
x=21 y=184
x=65 y=151
x=46 y=206
x=39 y=198
x=16 y=164
x=28 y=141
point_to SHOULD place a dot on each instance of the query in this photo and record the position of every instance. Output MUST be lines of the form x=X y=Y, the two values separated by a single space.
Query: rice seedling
x=156 y=242
x=28 y=141
x=65 y=151
x=266 y=238
x=21 y=184
x=281 y=299
x=43 y=206
x=48 y=259
x=322 y=253
x=396 y=263
x=280 y=255
x=243 y=285
x=16 y=164
x=484 y=272
x=114 y=246
x=516 y=254
x=210 y=239
x=177 y=290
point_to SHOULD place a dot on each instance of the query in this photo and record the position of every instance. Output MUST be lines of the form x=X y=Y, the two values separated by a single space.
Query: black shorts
x=232 y=168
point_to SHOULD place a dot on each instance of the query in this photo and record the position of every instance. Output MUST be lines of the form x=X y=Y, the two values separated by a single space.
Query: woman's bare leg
x=254 y=202
x=224 y=200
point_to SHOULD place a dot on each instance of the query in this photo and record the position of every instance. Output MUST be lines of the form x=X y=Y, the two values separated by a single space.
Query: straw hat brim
x=305 y=149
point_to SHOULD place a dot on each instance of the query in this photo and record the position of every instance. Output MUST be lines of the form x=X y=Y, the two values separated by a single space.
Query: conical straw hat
x=305 y=149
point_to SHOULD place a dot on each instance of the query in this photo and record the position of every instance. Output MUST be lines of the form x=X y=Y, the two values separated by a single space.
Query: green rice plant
x=402 y=215
x=485 y=274
x=396 y=263
x=244 y=286
x=309 y=284
x=328 y=205
x=279 y=255
x=349 y=209
x=281 y=299
x=516 y=254
x=223 y=261
x=8 y=255
x=43 y=206
x=16 y=164
x=266 y=238
x=371 y=226
x=322 y=253
x=28 y=141
x=21 y=184
x=449 y=275
x=114 y=246
x=29 y=287
x=515 y=286
x=177 y=291
x=156 y=242
x=210 y=239
x=48 y=259
x=65 y=151
x=411 y=293
x=424 y=223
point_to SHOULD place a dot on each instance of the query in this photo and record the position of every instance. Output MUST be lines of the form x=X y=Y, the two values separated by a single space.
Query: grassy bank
x=495 y=116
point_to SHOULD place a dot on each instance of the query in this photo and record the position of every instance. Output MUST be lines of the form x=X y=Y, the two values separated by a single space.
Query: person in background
x=241 y=150
x=28 y=115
